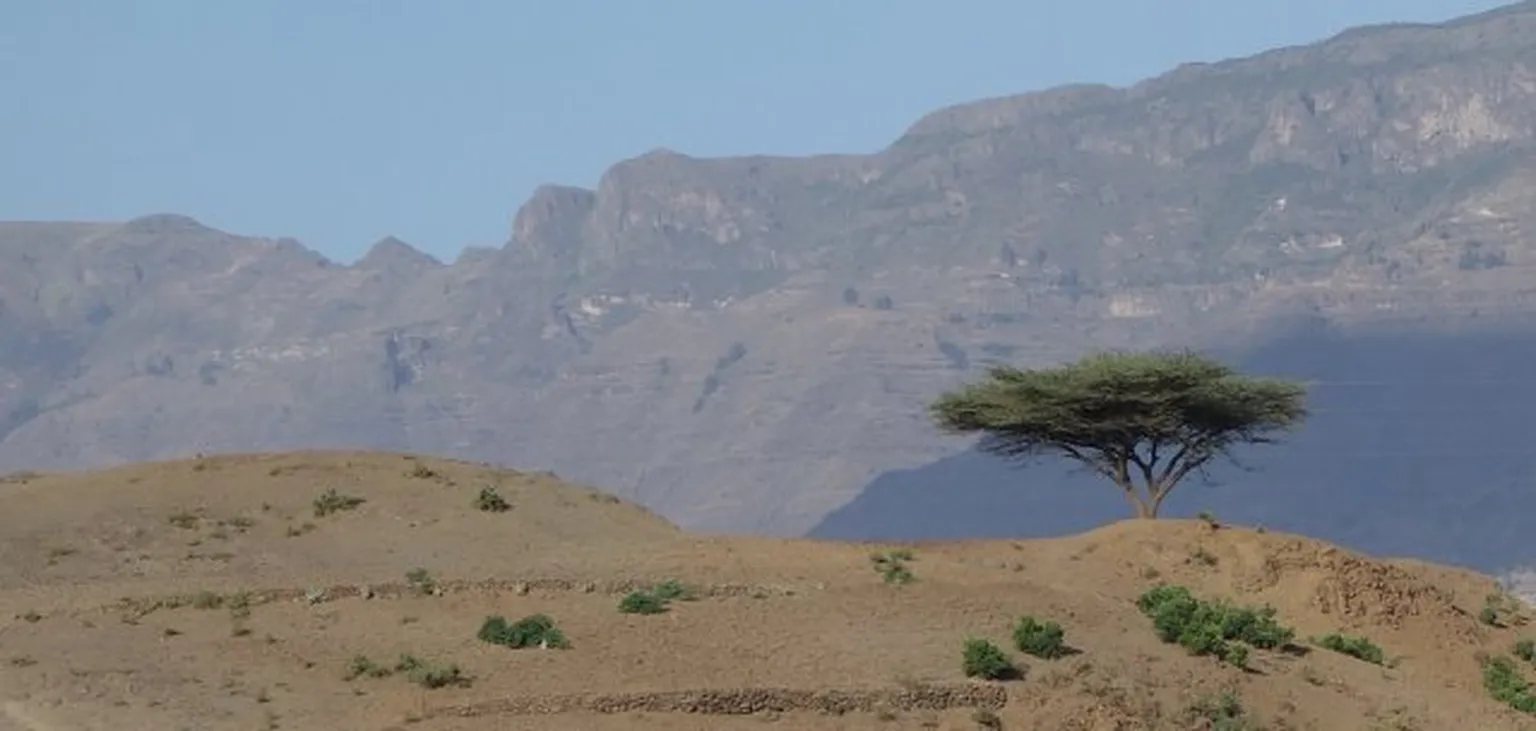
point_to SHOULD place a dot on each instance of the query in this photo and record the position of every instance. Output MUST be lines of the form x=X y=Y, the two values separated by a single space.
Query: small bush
x=1222 y=713
x=673 y=591
x=892 y=566
x=1526 y=650
x=490 y=501
x=420 y=581
x=642 y=602
x=430 y=675
x=331 y=501
x=985 y=719
x=1502 y=680
x=536 y=630
x=1211 y=628
x=1045 y=640
x=207 y=600
x=982 y=659
x=1359 y=648
x=361 y=666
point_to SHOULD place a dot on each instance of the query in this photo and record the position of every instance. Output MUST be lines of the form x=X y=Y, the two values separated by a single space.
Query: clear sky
x=341 y=121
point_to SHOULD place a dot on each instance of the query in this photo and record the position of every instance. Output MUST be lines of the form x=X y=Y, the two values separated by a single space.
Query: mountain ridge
x=743 y=343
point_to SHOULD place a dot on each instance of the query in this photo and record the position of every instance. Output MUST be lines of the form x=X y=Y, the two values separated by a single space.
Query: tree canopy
x=1143 y=420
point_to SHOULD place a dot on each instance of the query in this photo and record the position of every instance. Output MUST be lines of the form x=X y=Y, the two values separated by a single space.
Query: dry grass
x=209 y=594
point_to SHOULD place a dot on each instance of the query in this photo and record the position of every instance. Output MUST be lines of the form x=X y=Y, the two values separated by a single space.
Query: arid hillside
x=331 y=590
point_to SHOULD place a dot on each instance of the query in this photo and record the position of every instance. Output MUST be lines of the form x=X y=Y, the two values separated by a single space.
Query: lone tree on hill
x=1144 y=420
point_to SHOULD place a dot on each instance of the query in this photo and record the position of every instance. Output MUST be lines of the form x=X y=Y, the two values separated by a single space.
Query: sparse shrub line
x=1212 y=628
x=1505 y=684
x=331 y=501
x=1359 y=648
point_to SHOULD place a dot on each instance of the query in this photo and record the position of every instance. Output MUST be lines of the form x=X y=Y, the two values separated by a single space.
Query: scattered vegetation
x=331 y=501
x=656 y=599
x=1498 y=609
x=1158 y=416
x=985 y=719
x=1525 y=650
x=536 y=630
x=1224 y=712
x=420 y=581
x=239 y=613
x=1359 y=648
x=982 y=659
x=642 y=602
x=1045 y=640
x=491 y=501
x=1212 y=628
x=294 y=531
x=422 y=673
x=892 y=566
x=207 y=600
x=1505 y=684
x=184 y=520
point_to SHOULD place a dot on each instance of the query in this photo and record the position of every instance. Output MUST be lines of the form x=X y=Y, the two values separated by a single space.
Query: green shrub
x=1526 y=650
x=1222 y=713
x=982 y=659
x=536 y=630
x=642 y=602
x=1502 y=680
x=892 y=566
x=673 y=591
x=1359 y=648
x=361 y=666
x=331 y=501
x=1045 y=640
x=490 y=501
x=430 y=675
x=1211 y=628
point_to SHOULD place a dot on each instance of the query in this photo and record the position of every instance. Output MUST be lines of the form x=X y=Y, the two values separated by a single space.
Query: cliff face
x=742 y=343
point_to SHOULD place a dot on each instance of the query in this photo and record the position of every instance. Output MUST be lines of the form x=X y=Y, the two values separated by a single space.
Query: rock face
x=742 y=343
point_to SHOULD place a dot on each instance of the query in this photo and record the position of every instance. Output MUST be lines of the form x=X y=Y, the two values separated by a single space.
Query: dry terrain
x=208 y=594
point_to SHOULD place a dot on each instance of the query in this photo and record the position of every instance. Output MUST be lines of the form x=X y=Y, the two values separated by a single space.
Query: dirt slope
x=207 y=594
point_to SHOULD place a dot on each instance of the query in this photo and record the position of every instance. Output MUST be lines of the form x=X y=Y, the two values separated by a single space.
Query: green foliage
x=536 y=630
x=1505 y=684
x=673 y=591
x=1222 y=713
x=430 y=675
x=1359 y=648
x=642 y=602
x=491 y=501
x=892 y=566
x=1045 y=640
x=1158 y=416
x=331 y=501
x=983 y=659
x=361 y=666
x=1211 y=628
x=1526 y=650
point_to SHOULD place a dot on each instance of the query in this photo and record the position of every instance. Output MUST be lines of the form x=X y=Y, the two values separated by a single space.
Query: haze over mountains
x=745 y=343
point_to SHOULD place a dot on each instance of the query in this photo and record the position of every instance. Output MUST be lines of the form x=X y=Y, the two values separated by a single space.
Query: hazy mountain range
x=746 y=343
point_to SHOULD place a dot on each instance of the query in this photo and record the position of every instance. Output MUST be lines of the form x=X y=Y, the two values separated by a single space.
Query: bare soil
x=207 y=594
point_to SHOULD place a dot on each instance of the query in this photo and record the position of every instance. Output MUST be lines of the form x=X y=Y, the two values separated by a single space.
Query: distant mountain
x=743 y=343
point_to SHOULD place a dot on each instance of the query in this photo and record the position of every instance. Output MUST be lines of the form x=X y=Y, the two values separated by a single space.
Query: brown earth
x=109 y=581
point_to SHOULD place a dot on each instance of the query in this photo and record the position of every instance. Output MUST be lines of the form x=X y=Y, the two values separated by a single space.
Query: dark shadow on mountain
x=1418 y=446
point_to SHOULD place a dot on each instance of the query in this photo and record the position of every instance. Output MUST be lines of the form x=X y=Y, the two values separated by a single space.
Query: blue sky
x=341 y=121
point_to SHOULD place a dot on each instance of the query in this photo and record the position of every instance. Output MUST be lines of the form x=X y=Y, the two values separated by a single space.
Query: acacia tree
x=1143 y=420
